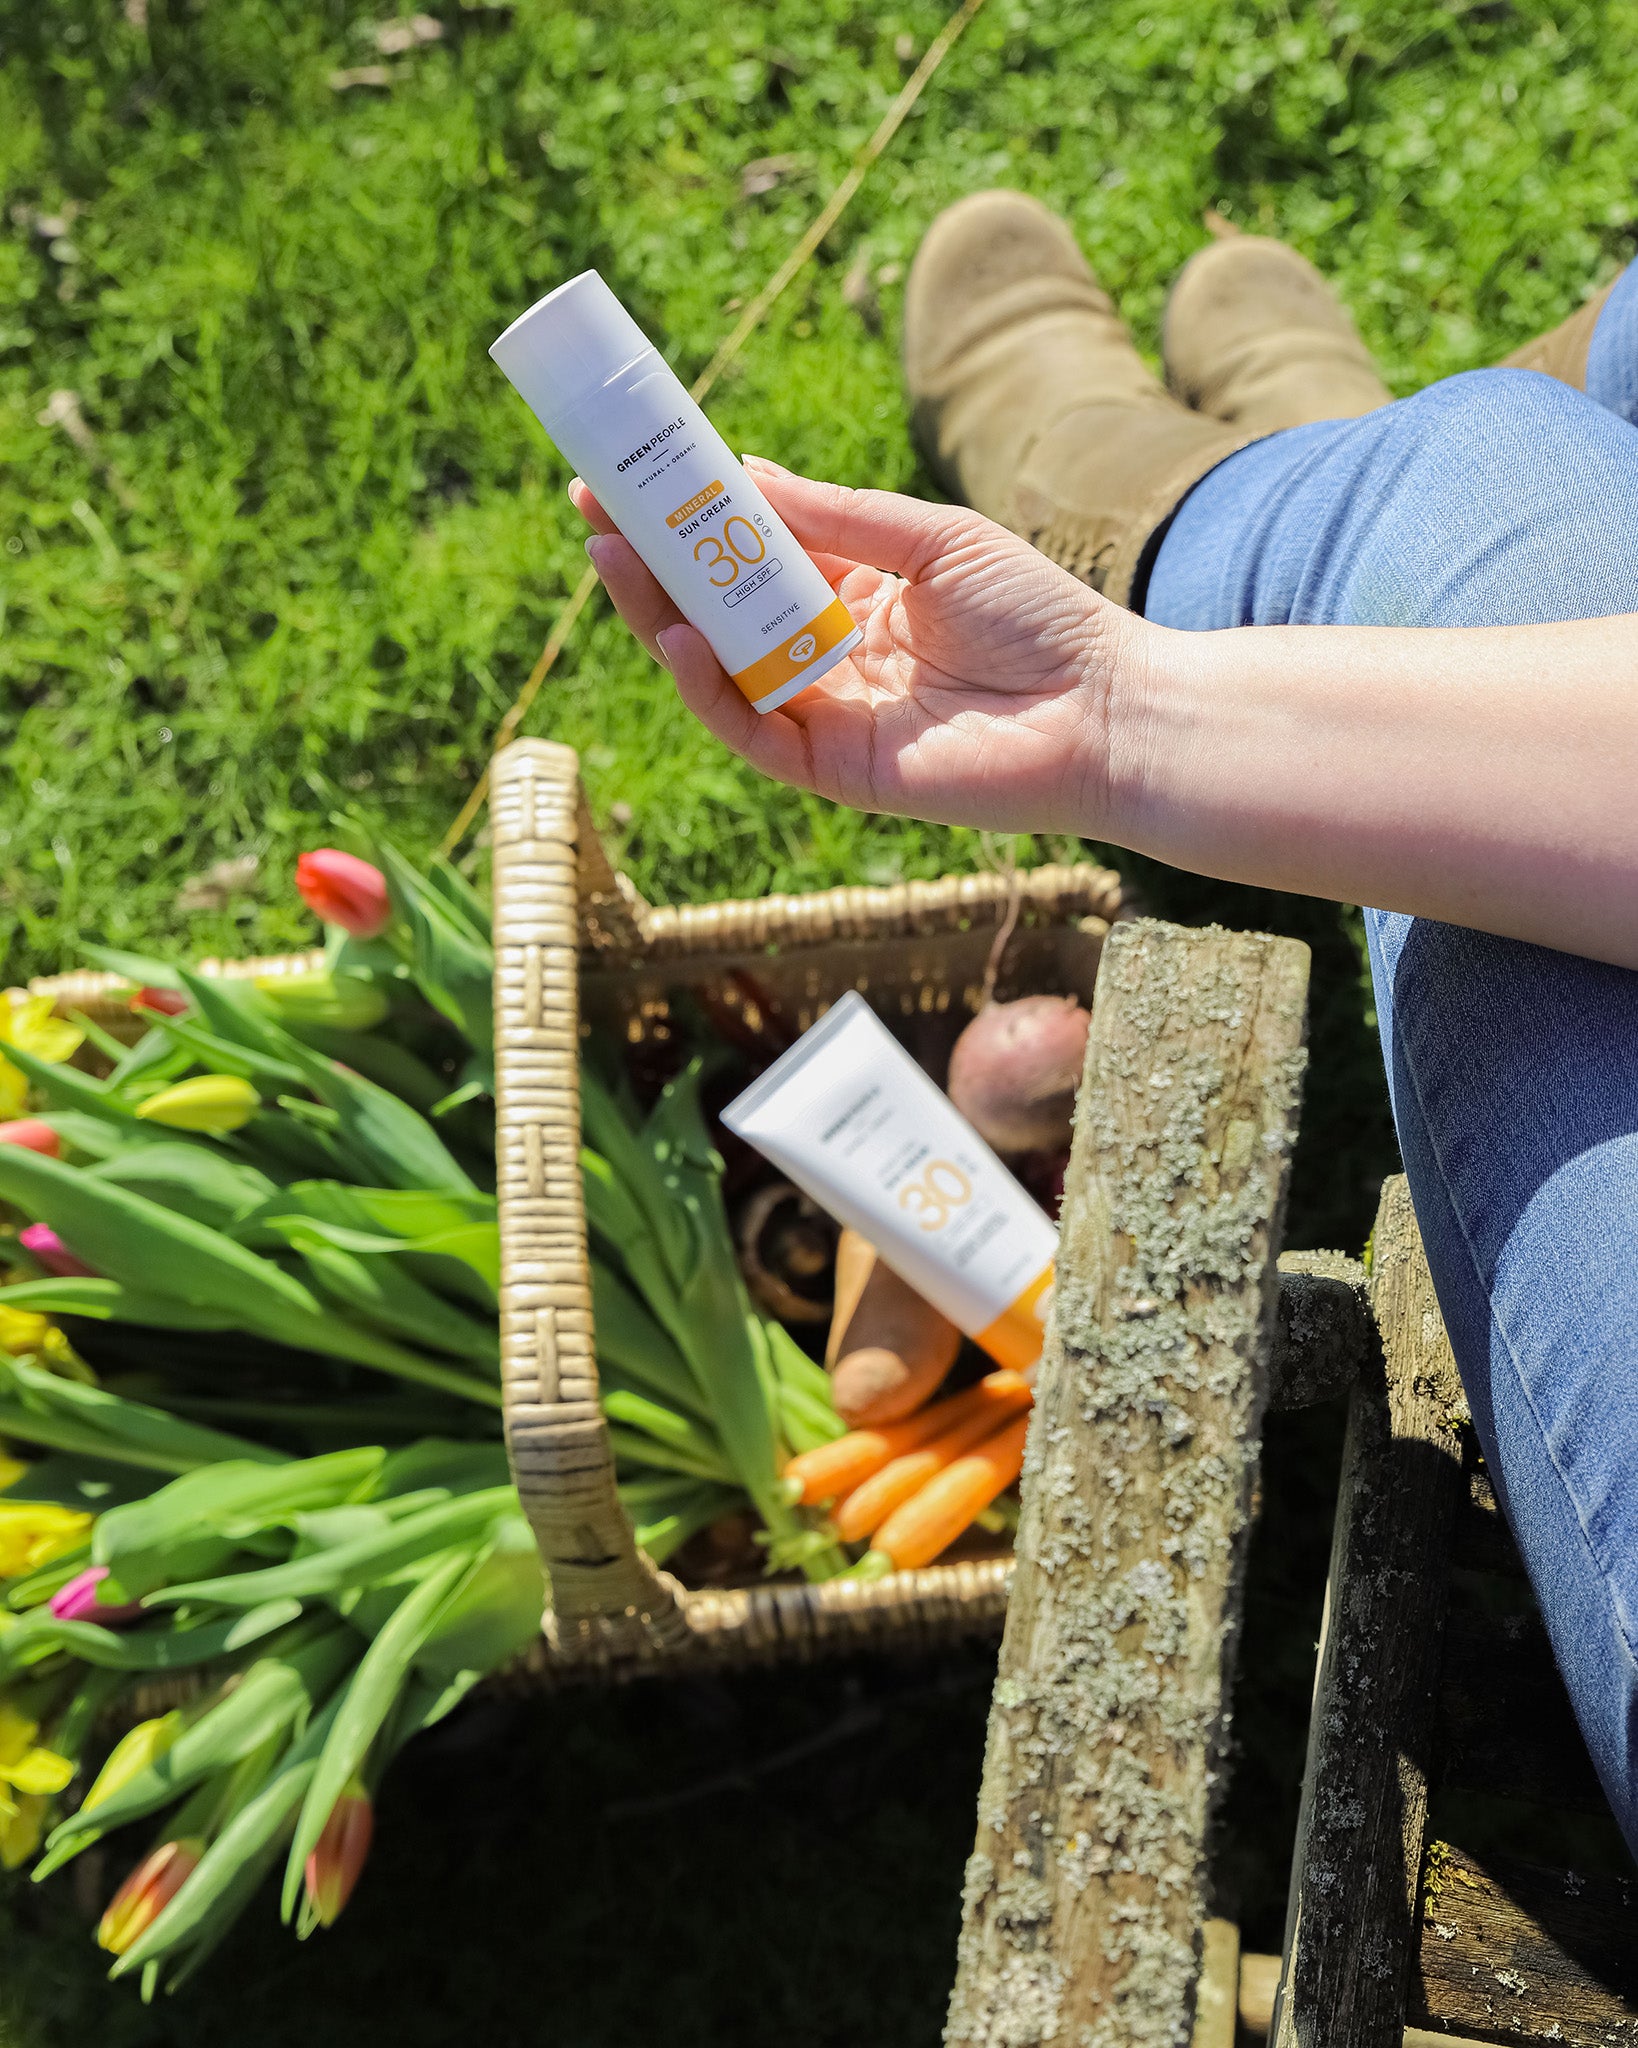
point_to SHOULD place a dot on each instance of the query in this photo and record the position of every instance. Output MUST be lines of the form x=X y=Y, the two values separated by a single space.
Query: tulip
x=139 y=1747
x=218 y=1103
x=32 y=1135
x=49 y=1249
x=32 y=1533
x=32 y=1024
x=342 y=1001
x=22 y=1827
x=164 y=1002
x=77 y=1601
x=147 y=1892
x=338 y=1856
x=344 y=890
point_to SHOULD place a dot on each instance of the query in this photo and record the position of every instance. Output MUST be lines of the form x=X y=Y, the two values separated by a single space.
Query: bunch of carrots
x=912 y=1487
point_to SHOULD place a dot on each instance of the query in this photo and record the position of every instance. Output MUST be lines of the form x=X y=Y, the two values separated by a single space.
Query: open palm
x=978 y=697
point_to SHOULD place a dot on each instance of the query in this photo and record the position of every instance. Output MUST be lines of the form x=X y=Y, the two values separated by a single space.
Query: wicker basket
x=577 y=950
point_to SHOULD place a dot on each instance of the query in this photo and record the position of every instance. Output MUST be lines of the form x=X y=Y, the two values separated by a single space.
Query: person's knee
x=1500 y=497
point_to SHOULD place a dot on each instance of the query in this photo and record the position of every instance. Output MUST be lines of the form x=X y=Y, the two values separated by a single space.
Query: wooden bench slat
x=1505 y=1724
x=1518 y=1954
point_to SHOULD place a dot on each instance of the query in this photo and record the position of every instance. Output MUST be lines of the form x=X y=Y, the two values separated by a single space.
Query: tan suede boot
x=1030 y=401
x=1255 y=337
x=1562 y=351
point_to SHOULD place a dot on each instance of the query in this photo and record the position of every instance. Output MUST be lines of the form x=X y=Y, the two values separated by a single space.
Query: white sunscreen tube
x=666 y=478
x=852 y=1119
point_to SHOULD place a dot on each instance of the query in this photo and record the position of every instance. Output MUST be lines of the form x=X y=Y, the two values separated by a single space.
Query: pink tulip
x=146 y=1893
x=77 y=1601
x=33 y=1136
x=53 y=1254
x=344 y=890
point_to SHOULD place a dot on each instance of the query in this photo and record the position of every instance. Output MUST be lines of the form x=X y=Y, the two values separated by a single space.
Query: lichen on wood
x=1086 y=1891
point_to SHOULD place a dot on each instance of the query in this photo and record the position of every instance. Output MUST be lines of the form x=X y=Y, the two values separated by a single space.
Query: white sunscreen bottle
x=852 y=1119
x=665 y=476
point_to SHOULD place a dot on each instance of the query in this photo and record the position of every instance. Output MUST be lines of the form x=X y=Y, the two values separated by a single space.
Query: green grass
x=313 y=553
x=338 y=539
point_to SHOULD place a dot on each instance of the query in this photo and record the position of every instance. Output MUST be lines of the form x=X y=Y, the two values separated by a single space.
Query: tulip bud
x=344 y=1001
x=344 y=890
x=77 y=1601
x=209 y=1102
x=141 y=1746
x=164 y=1002
x=147 y=1892
x=48 y=1248
x=338 y=1856
x=32 y=1135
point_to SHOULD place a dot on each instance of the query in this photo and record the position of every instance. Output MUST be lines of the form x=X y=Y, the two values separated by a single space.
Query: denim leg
x=1612 y=359
x=1496 y=498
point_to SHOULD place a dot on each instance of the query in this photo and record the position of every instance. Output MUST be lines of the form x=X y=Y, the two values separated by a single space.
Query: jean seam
x=1600 y=1570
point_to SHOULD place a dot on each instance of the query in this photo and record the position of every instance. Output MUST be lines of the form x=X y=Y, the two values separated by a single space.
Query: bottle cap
x=568 y=345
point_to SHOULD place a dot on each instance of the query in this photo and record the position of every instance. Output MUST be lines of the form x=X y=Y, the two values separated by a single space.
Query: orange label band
x=1015 y=1338
x=783 y=663
x=694 y=504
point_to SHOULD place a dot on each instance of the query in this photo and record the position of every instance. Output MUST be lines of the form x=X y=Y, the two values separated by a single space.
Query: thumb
x=880 y=528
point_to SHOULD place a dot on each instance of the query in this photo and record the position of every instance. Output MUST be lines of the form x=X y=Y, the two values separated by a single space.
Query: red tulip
x=338 y=1856
x=53 y=1254
x=344 y=890
x=167 y=1002
x=147 y=1892
x=33 y=1136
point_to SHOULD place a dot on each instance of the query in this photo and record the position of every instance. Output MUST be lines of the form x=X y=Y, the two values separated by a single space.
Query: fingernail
x=593 y=543
x=762 y=462
x=666 y=655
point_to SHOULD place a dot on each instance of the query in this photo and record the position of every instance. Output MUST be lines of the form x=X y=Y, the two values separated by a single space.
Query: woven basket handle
x=554 y=889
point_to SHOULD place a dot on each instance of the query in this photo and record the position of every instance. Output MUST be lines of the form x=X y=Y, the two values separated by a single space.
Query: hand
x=981 y=694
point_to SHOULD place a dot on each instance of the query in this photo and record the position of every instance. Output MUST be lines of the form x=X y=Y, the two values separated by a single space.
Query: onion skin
x=1015 y=1070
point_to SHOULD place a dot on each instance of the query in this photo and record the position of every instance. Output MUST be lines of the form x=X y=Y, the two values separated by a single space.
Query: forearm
x=1485 y=777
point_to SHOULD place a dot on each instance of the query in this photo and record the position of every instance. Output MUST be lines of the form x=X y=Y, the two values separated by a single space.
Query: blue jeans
x=1496 y=498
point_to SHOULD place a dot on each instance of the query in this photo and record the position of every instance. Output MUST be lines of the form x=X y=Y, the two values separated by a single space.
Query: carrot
x=836 y=1468
x=931 y=1520
x=869 y=1505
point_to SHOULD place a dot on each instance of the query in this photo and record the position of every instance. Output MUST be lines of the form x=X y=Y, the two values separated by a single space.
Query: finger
x=633 y=588
x=584 y=501
x=768 y=740
x=879 y=527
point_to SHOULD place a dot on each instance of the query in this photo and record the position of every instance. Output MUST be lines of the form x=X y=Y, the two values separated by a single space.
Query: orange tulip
x=344 y=890
x=333 y=1867
x=147 y=1892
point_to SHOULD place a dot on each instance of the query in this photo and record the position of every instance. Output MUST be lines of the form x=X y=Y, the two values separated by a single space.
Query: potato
x=889 y=1350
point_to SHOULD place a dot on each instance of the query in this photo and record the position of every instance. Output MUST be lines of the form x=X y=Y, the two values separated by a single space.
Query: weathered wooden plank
x=1505 y=1725
x=1323 y=1331
x=1519 y=1954
x=1350 y=1931
x=1085 y=1893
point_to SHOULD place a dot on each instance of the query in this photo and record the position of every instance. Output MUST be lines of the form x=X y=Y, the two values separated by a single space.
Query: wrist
x=1127 y=683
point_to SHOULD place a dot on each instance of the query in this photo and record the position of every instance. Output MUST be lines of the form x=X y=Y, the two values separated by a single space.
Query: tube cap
x=568 y=345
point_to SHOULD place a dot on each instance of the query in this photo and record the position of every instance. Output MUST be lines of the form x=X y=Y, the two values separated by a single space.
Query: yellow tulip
x=30 y=1776
x=22 y=1825
x=31 y=1024
x=11 y=1470
x=24 y=1334
x=32 y=1533
x=209 y=1102
x=145 y=1744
